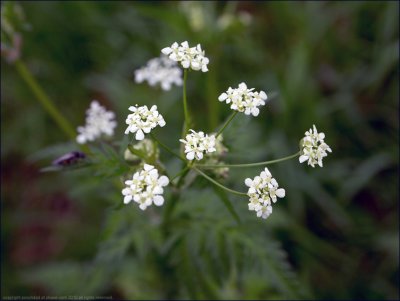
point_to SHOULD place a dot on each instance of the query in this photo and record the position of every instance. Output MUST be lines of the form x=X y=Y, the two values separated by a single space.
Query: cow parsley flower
x=189 y=57
x=313 y=148
x=160 y=70
x=196 y=144
x=143 y=120
x=262 y=190
x=98 y=121
x=145 y=187
x=244 y=100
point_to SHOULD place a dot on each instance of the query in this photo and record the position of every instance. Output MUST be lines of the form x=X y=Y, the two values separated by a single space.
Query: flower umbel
x=313 y=148
x=189 y=57
x=145 y=188
x=98 y=121
x=143 y=120
x=244 y=100
x=262 y=190
x=196 y=144
x=160 y=70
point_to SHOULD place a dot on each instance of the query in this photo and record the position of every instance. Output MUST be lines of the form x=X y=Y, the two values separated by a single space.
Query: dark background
x=335 y=234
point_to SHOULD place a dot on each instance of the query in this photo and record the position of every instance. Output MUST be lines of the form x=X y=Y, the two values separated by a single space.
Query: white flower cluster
x=196 y=144
x=98 y=121
x=189 y=57
x=145 y=188
x=160 y=70
x=143 y=120
x=313 y=147
x=244 y=100
x=262 y=190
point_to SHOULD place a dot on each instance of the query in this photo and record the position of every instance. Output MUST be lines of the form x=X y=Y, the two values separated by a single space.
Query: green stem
x=180 y=173
x=226 y=123
x=250 y=164
x=218 y=184
x=44 y=100
x=167 y=148
x=185 y=106
x=136 y=152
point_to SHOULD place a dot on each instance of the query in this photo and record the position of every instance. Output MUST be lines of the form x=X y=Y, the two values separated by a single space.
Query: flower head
x=189 y=57
x=196 y=144
x=143 y=120
x=262 y=190
x=145 y=187
x=313 y=148
x=160 y=70
x=244 y=100
x=98 y=121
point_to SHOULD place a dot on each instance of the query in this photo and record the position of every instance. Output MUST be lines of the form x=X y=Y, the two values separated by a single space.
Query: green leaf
x=67 y=278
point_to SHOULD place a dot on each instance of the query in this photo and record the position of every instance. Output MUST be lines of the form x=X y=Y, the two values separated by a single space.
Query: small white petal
x=222 y=97
x=158 y=190
x=255 y=112
x=163 y=181
x=252 y=190
x=127 y=199
x=248 y=182
x=166 y=50
x=139 y=135
x=280 y=192
x=146 y=129
x=158 y=200
x=190 y=156
x=161 y=122
x=263 y=96
x=148 y=167
x=303 y=158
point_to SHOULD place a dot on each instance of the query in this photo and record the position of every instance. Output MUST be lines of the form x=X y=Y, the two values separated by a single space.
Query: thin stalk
x=180 y=173
x=185 y=106
x=219 y=184
x=166 y=147
x=136 y=152
x=44 y=100
x=226 y=123
x=250 y=164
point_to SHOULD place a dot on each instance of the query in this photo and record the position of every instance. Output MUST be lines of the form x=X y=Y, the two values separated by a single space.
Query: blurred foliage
x=334 y=236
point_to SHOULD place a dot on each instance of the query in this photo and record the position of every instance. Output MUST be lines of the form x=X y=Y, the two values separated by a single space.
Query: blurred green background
x=334 y=236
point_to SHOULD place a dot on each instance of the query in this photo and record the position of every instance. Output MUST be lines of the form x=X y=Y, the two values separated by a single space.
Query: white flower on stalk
x=143 y=120
x=313 y=148
x=196 y=144
x=145 y=187
x=189 y=57
x=244 y=100
x=262 y=190
x=160 y=70
x=98 y=121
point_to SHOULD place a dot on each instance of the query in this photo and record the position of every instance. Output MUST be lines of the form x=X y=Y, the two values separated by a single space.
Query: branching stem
x=226 y=123
x=219 y=184
x=249 y=164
